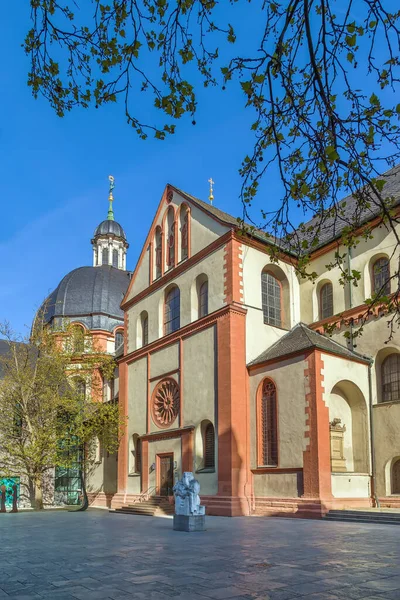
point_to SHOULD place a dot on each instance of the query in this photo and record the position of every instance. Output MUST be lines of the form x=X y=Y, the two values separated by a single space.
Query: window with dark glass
x=326 y=300
x=271 y=299
x=145 y=331
x=115 y=258
x=390 y=375
x=68 y=480
x=104 y=259
x=209 y=447
x=172 y=311
x=203 y=300
x=268 y=425
x=119 y=339
x=381 y=275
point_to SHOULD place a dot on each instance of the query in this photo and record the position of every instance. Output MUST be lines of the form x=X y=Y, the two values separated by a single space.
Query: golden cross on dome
x=211 y=196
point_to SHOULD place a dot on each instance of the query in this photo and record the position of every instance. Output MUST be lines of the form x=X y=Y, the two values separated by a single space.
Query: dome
x=109 y=227
x=90 y=295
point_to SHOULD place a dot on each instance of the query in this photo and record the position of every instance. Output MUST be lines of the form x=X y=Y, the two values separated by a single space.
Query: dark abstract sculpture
x=3 y=498
x=14 y=498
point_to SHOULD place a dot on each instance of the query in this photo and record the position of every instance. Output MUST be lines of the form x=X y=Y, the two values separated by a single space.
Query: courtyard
x=96 y=555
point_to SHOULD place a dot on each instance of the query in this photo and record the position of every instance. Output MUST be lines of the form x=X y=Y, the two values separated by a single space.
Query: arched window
x=158 y=253
x=271 y=296
x=78 y=339
x=268 y=425
x=381 y=276
x=396 y=477
x=203 y=299
x=115 y=258
x=170 y=249
x=119 y=339
x=172 y=311
x=104 y=260
x=209 y=446
x=390 y=376
x=326 y=300
x=184 y=226
x=145 y=329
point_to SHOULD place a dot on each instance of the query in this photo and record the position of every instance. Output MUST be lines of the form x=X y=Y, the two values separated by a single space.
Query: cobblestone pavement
x=95 y=555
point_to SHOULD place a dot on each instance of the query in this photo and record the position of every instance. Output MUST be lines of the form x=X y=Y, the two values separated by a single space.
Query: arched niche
x=183 y=221
x=196 y=296
x=347 y=404
x=169 y=231
x=280 y=278
x=205 y=445
x=142 y=329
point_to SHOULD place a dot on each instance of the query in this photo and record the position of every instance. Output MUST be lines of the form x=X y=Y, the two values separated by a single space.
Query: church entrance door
x=165 y=474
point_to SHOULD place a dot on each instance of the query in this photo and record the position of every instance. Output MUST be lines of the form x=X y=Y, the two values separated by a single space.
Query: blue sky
x=54 y=174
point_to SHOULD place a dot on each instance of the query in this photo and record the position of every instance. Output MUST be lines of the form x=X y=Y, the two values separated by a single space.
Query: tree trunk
x=38 y=493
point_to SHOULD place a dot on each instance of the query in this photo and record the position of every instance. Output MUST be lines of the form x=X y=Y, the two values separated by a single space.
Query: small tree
x=44 y=410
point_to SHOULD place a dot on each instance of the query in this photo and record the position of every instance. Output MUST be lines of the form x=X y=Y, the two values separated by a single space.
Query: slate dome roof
x=110 y=227
x=91 y=295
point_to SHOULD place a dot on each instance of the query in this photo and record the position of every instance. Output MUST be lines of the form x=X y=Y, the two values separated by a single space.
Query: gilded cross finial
x=211 y=196
x=110 y=216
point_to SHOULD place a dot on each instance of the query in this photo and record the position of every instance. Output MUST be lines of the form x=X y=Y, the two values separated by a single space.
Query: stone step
x=367 y=513
x=154 y=506
x=364 y=516
x=345 y=519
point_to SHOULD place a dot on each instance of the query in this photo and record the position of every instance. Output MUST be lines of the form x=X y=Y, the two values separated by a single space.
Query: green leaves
x=331 y=153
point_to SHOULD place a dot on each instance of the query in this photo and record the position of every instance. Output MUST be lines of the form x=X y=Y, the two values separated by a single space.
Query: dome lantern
x=109 y=240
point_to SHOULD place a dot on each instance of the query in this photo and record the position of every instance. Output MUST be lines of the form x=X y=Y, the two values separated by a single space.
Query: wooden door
x=165 y=474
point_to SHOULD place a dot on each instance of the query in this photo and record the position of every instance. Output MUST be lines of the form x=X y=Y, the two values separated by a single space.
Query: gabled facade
x=226 y=372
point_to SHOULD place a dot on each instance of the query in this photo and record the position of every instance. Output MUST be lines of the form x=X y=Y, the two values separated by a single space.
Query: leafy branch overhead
x=319 y=76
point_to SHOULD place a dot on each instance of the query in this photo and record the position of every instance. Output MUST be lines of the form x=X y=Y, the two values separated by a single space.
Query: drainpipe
x=371 y=438
x=351 y=341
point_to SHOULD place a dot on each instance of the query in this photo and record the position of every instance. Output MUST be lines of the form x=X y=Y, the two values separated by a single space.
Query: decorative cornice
x=165 y=435
x=183 y=332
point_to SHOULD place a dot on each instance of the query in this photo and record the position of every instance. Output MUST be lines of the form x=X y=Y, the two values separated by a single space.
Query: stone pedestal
x=189 y=522
x=338 y=462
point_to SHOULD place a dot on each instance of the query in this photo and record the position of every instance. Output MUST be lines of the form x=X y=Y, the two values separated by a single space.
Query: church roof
x=332 y=227
x=89 y=292
x=109 y=227
x=300 y=338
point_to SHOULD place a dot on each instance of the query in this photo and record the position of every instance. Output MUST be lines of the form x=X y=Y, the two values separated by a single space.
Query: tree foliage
x=45 y=412
x=320 y=77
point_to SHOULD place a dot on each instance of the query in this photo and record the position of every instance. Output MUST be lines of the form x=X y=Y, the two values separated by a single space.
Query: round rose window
x=165 y=404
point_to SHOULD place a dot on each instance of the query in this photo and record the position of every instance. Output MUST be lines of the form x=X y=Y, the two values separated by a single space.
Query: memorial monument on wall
x=189 y=514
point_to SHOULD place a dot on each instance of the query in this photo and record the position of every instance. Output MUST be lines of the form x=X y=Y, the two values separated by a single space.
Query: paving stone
x=95 y=555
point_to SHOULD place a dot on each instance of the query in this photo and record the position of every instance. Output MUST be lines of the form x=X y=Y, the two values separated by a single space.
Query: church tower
x=109 y=240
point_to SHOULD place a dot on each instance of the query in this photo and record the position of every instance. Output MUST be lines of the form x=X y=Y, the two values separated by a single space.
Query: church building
x=226 y=370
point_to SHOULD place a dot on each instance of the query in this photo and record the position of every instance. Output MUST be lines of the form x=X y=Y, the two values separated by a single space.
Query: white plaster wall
x=386 y=420
x=291 y=390
x=258 y=335
x=137 y=410
x=164 y=360
x=199 y=383
x=212 y=266
x=350 y=485
x=382 y=242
